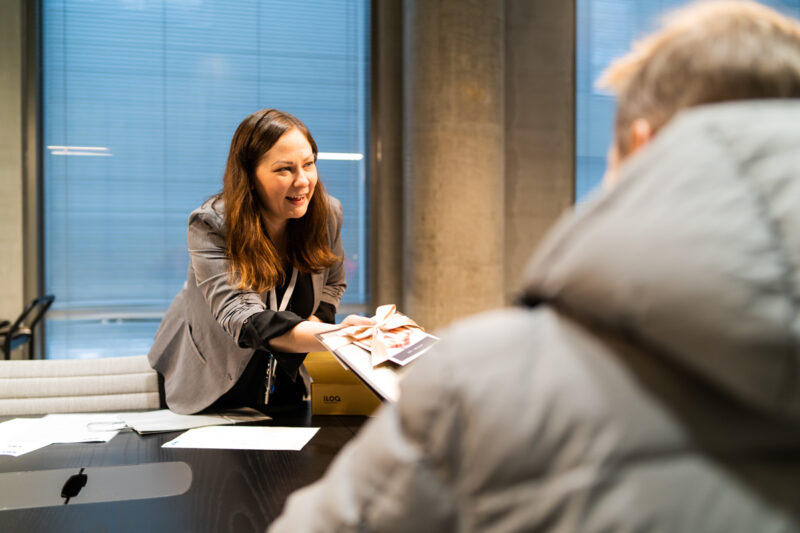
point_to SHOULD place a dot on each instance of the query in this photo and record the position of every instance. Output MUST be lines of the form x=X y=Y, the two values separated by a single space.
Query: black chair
x=18 y=334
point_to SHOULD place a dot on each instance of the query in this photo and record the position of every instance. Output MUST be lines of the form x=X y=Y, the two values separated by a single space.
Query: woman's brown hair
x=255 y=263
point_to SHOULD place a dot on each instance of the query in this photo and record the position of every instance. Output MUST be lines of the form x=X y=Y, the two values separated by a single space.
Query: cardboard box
x=336 y=390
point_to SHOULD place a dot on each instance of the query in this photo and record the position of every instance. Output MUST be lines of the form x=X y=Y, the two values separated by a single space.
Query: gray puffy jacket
x=655 y=388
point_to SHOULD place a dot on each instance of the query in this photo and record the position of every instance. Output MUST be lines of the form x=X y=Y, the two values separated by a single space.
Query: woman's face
x=286 y=177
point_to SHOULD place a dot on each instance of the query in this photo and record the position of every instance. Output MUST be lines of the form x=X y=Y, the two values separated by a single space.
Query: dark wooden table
x=231 y=490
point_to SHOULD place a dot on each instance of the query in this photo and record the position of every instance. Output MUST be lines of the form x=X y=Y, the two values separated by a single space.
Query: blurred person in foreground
x=650 y=382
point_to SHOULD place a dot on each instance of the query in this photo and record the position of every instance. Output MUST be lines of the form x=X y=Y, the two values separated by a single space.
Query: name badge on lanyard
x=273 y=306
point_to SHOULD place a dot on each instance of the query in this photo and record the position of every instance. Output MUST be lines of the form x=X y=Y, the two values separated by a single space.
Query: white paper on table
x=17 y=437
x=244 y=438
x=83 y=427
x=166 y=420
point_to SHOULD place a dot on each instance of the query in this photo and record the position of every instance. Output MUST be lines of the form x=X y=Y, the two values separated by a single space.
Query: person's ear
x=640 y=133
x=612 y=162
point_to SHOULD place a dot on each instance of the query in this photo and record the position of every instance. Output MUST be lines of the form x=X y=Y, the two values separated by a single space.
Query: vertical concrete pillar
x=11 y=159
x=540 y=125
x=453 y=158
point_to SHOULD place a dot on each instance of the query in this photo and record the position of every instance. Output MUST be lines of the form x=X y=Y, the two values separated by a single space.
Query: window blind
x=140 y=101
x=605 y=31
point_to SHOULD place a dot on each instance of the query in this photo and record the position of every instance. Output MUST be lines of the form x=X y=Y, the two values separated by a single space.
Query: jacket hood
x=695 y=253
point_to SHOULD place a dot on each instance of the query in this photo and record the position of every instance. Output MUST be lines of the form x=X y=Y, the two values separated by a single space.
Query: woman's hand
x=357 y=320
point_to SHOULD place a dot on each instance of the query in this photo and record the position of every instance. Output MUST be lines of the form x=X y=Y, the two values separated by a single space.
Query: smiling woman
x=265 y=275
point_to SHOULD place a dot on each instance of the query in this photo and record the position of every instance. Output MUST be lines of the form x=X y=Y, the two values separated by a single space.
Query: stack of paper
x=166 y=420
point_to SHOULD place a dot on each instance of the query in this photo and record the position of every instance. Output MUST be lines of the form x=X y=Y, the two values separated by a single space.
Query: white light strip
x=98 y=148
x=340 y=156
x=79 y=150
x=69 y=152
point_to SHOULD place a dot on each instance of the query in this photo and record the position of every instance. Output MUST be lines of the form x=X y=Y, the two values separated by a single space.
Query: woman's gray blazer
x=196 y=347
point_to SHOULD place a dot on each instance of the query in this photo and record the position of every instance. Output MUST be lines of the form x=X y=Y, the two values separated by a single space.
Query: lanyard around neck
x=273 y=298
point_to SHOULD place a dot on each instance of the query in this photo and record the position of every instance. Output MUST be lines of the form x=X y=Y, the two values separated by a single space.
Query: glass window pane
x=140 y=100
x=605 y=30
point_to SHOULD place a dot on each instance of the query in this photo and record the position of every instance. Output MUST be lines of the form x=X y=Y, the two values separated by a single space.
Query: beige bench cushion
x=77 y=385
